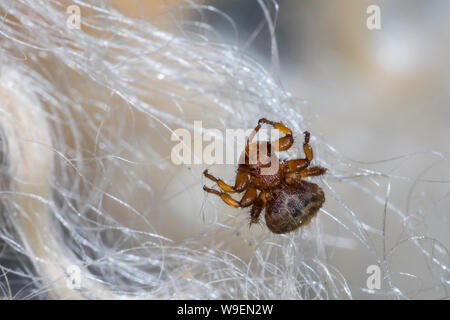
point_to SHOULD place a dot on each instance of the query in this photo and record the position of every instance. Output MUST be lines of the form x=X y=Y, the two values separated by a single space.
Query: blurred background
x=375 y=101
x=373 y=94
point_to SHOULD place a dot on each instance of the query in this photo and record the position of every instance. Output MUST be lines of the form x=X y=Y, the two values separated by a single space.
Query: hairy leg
x=297 y=165
x=283 y=143
x=257 y=207
x=240 y=184
x=248 y=198
x=294 y=177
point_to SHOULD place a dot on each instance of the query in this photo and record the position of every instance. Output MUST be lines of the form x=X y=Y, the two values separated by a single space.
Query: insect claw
x=252 y=221
x=307 y=135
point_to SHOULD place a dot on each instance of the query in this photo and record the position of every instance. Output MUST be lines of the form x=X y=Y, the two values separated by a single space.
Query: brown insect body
x=293 y=206
x=257 y=162
x=289 y=201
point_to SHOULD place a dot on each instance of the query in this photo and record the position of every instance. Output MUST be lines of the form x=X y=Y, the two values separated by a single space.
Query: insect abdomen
x=293 y=207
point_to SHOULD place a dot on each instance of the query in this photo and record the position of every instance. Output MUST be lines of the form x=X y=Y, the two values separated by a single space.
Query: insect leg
x=250 y=139
x=249 y=197
x=294 y=177
x=298 y=165
x=257 y=207
x=240 y=184
x=224 y=196
x=283 y=143
x=306 y=147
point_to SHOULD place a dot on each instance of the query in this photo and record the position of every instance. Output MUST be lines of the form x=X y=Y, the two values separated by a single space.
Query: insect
x=289 y=200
